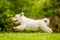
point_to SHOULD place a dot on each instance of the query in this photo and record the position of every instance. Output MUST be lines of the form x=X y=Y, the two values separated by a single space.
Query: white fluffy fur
x=30 y=24
x=46 y=20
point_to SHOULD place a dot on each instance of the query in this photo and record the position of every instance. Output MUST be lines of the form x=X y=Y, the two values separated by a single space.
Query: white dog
x=30 y=24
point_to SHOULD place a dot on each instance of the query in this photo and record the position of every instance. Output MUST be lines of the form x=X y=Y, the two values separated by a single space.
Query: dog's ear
x=22 y=14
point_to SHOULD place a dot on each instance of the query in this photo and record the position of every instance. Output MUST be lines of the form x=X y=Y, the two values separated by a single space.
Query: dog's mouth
x=16 y=22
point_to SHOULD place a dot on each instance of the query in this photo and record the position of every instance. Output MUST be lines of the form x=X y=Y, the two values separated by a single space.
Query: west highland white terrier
x=30 y=24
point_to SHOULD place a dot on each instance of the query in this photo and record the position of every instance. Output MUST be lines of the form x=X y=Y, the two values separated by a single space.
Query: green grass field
x=29 y=36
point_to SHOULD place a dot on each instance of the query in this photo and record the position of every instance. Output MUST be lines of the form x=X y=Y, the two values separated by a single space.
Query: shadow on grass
x=24 y=31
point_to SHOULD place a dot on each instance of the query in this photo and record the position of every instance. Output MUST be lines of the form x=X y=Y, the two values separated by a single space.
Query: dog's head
x=17 y=18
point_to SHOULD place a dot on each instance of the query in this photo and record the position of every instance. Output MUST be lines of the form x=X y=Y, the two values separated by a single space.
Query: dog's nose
x=14 y=19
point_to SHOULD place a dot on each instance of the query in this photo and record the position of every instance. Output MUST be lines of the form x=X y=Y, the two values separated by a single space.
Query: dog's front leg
x=20 y=27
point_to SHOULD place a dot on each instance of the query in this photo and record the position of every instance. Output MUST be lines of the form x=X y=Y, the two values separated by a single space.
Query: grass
x=29 y=36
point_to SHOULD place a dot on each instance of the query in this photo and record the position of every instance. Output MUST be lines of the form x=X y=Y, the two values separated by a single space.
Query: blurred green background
x=35 y=9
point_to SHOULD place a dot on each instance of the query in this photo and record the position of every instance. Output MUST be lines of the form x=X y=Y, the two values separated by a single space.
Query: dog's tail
x=46 y=20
